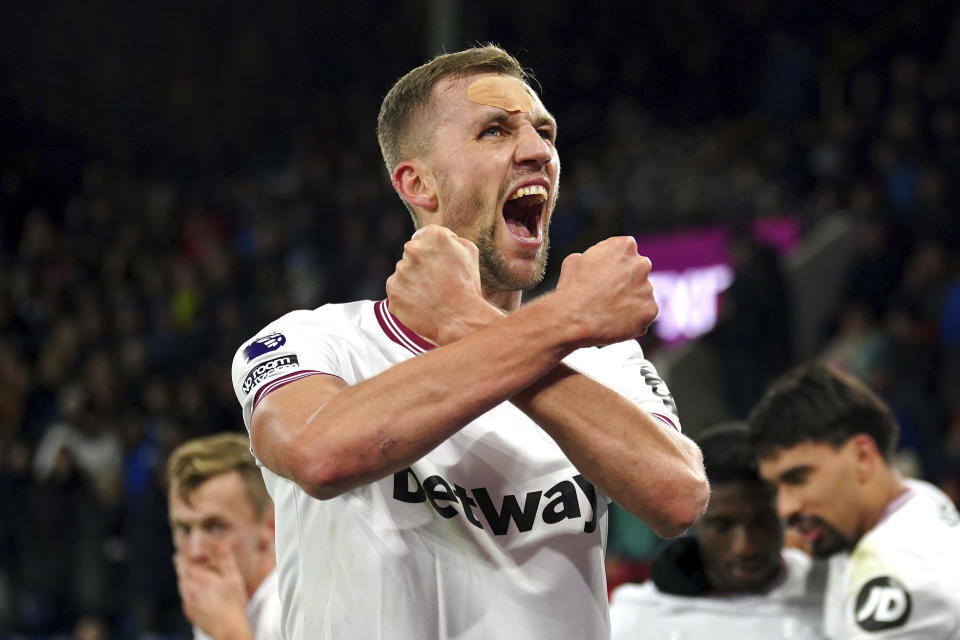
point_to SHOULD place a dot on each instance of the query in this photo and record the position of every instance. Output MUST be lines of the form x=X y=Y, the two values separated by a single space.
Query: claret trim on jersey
x=399 y=332
x=273 y=385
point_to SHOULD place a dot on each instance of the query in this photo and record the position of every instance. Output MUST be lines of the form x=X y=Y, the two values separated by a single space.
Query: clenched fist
x=435 y=288
x=607 y=290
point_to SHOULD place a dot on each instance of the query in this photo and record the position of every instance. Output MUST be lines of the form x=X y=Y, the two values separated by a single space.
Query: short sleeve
x=892 y=603
x=296 y=346
x=623 y=368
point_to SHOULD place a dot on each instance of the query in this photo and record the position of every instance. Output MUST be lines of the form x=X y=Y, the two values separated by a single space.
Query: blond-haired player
x=223 y=528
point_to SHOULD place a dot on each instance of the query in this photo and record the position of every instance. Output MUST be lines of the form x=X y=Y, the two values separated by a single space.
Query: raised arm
x=330 y=438
x=653 y=471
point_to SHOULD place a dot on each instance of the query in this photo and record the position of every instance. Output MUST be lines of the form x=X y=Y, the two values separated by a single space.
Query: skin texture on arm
x=651 y=471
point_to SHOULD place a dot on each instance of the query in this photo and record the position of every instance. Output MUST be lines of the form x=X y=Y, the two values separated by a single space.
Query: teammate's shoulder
x=886 y=602
x=796 y=562
x=634 y=593
x=805 y=576
x=923 y=522
x=936 y=504
x=897 y=570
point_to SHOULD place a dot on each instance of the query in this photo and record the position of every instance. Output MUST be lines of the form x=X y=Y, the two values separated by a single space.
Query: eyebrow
x=198 y=521
x=500 y=117
x=794 y=474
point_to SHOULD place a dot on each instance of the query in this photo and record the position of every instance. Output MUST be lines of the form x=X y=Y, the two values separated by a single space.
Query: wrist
x=568 y=323
x=231 y=625
x=462 y=325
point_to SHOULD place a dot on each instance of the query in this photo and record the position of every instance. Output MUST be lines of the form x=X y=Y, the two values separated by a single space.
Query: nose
x=788 y=504
x=196 y=546
x=532 y=149
x=747 y=541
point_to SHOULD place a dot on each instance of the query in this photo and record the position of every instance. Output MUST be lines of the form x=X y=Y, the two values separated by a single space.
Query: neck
x=888 y=487
x=507 y=301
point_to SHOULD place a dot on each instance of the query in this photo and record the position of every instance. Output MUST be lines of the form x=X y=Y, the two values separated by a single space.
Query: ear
x=866 y=455
x=415 y=185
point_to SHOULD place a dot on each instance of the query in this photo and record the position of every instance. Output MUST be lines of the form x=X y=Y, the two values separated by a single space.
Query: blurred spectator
x=752 y=335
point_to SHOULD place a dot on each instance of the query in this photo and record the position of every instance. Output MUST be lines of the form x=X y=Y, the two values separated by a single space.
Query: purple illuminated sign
x=692 y=268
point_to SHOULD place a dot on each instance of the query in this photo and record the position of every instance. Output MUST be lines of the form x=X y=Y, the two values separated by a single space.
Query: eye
x=795 y=477
x=719 y=525
x=546 y=134
x=215 y=527
x=494 y=130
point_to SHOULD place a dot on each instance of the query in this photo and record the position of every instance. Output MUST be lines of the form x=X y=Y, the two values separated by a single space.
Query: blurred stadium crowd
x=171 y=182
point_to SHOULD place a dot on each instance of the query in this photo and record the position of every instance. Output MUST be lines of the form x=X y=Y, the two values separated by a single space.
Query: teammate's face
x=817 y=494
x=219 y=513
x=740 y=538
x=482 y=156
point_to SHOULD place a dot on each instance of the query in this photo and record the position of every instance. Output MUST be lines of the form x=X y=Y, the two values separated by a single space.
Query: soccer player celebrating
x=441 y=460
x=827 y=443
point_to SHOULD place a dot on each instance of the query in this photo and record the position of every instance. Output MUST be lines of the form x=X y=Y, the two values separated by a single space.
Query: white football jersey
x=263 y=611
x=493 y=534
x=903 y=578
x=791 y=610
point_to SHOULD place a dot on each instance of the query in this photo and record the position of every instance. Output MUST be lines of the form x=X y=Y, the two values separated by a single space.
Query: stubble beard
x=825 y=546
x=495 y=272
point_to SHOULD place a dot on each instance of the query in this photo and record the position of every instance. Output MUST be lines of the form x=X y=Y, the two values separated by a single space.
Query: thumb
x=571 y=258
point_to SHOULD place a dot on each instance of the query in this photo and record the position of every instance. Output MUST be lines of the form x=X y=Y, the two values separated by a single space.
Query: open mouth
x=523 y=210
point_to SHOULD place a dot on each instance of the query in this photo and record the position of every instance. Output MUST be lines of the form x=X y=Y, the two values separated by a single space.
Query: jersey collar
x=399 y=332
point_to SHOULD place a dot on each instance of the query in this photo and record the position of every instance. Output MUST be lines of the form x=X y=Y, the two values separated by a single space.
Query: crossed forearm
x=656 y=473
x=358 y=434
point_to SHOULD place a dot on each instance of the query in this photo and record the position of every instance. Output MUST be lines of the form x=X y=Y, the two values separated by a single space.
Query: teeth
x=533 y=190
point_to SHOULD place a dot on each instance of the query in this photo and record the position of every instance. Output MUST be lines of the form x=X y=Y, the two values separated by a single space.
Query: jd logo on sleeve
x=883 y=603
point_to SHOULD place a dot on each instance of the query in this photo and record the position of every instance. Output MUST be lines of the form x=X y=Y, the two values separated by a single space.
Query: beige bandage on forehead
x=506 y=92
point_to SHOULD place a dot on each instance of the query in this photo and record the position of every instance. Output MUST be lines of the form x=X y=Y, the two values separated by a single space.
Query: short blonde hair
x=197 y=460
x=397 y=134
